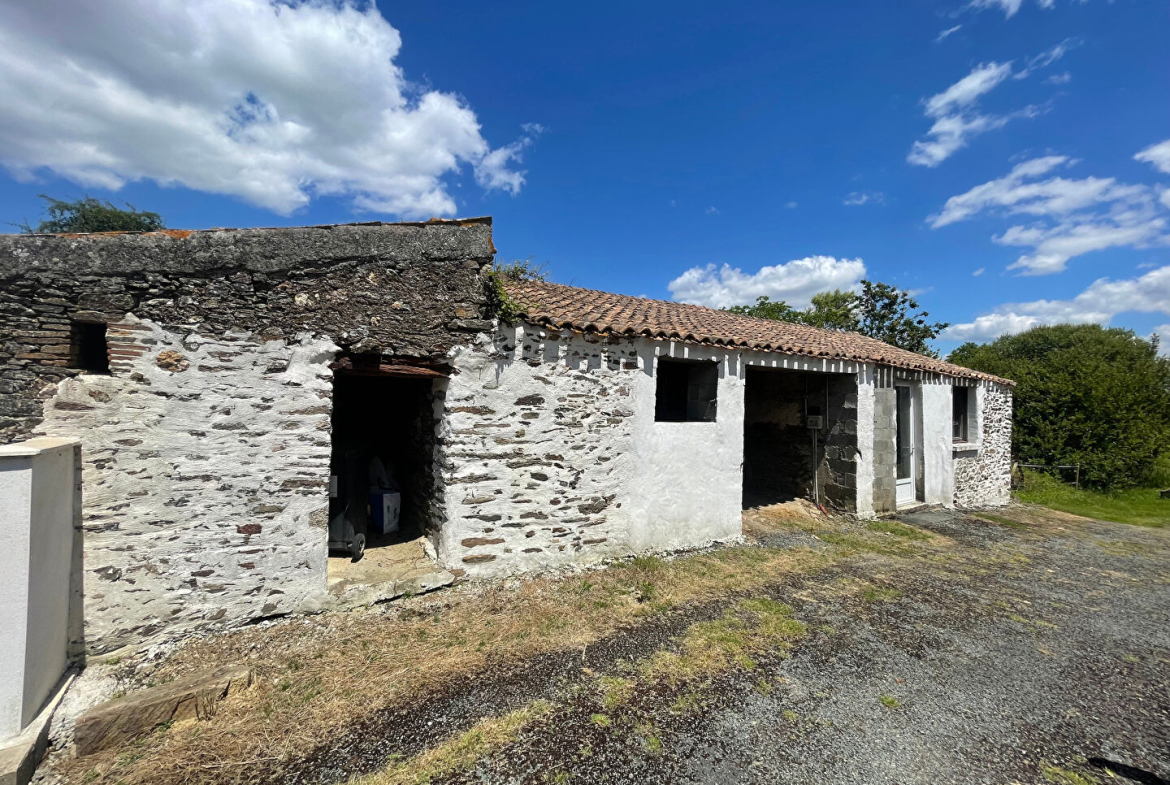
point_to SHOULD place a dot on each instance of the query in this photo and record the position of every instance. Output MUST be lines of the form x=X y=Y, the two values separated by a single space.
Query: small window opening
x=960 y=416
x=686 y=391
x=88 y=350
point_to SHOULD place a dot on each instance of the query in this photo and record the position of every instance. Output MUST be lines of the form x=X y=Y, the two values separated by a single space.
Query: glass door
x=905 y=445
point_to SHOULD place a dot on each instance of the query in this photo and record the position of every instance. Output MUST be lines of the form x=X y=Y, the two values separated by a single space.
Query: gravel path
x=1023 y=654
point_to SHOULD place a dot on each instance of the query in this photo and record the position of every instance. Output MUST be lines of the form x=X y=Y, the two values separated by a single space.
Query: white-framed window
x=965 y=424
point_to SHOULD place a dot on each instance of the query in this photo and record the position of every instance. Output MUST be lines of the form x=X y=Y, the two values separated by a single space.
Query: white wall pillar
x=40 y=573
x=865 y=441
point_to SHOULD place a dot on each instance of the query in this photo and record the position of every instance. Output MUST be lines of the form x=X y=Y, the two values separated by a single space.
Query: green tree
x=892 y=315
x=93 y=215
x=1085 y=394
x=879 y=310
x=835 y=310
x=767 y=308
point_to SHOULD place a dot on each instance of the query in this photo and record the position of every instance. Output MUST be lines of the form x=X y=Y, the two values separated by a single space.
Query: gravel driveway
x=1033 y=651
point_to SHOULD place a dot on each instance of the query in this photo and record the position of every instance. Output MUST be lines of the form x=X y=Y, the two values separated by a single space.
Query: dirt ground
x=1021 y=646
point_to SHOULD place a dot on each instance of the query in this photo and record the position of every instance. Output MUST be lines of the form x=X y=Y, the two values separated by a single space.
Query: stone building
x=219 y=379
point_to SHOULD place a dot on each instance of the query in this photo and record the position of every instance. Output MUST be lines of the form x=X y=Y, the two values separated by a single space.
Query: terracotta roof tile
x=587 y=310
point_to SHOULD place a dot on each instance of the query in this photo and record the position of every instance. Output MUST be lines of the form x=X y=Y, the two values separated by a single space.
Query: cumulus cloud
x=269 y=101
x=1075 y=216
x=1156 y=155
x=1059 y=79
x=794 y=282
x=858 y=198
x=1099 y=303
x=955 y=110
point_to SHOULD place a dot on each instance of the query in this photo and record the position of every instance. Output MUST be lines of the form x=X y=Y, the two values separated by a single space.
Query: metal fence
x=1060 y=471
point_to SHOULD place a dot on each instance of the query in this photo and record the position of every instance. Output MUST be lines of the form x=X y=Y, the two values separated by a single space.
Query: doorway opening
x=382 y=465
x=799 y=438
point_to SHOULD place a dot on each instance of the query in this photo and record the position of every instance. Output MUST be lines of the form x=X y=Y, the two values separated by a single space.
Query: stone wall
x=837 y=471
x=206 y=447
x=550 y=455
x=204 y=480
x=983 y=471
x=402 y=290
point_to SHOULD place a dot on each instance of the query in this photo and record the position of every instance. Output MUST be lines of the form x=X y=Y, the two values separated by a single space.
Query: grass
x=1001 y=520
x=1062 y=776
x=301 y=699
x=1137 y=506
x=877 y=594
x=898 y=530
x=889 y=701
x=459 y=753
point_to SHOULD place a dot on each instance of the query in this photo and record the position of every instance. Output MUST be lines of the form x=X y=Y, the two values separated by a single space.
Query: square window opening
x=686 y=391
x=88 y=348
x=960 y=414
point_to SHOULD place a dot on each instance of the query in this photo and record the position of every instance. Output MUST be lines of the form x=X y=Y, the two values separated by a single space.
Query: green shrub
x=1085 y=395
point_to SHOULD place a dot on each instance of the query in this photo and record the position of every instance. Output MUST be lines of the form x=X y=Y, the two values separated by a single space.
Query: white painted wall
x=937 y=463
x=39 y=517
x=865 y=441
x=687 y=488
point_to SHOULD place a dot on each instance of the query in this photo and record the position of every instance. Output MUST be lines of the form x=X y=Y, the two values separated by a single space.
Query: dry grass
x=318 y=676
x=459 y=753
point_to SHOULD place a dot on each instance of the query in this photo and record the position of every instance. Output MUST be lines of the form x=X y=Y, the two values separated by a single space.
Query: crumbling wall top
x=255 y=250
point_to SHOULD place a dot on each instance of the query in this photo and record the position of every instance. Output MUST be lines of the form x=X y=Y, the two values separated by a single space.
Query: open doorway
x=799 y=438
x=382 y=464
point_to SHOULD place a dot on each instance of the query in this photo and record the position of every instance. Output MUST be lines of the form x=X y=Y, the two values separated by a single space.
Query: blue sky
x=640 y=148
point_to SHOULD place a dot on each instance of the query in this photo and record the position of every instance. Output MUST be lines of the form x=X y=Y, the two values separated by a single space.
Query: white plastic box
x=385 y=507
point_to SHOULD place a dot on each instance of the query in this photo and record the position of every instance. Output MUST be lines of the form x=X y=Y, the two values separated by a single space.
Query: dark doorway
x=799 y=437
x=88 y=349
x=383 y=443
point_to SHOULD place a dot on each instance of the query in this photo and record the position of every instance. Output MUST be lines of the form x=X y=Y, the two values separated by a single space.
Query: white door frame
x=905 y=445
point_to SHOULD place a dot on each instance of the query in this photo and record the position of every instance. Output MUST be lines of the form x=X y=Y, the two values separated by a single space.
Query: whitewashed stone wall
x=205 y=470
x=983 y=470
x=550 y=455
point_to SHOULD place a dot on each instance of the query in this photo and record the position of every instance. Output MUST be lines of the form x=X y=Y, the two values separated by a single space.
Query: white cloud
x=981 y=81
x=942 y=36
x=1059 y=79
x=712 y=210
x=1099 y=303
x=1163 y=333
x=1011 y=7
x=271 y=102
x=1047 y=58
x=1157 y=155
x=955 y=110
x=795 y=282
x=979 y=272
x=864 y=197
x=792 y=205
x=1078 y=216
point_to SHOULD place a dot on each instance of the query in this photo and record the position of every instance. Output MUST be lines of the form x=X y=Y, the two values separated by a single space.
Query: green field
x=1139 y=506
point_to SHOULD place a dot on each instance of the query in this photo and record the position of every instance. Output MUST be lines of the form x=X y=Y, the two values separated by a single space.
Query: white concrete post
x=40 y=573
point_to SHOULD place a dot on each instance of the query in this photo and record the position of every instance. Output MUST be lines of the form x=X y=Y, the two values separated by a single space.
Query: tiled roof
x=587 y=310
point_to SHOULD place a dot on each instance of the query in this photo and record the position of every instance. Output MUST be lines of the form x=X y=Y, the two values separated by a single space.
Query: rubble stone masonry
x=983 y=473
x=206 y=447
